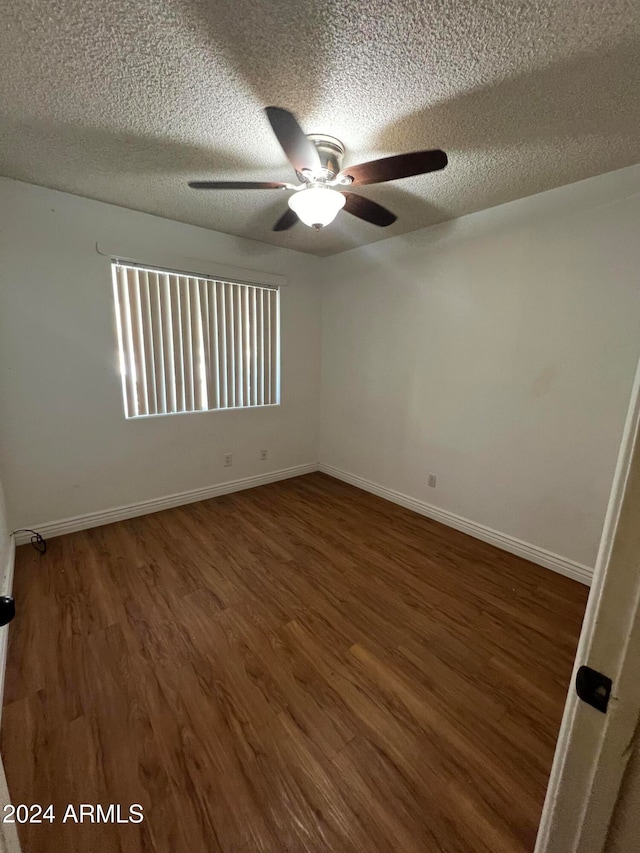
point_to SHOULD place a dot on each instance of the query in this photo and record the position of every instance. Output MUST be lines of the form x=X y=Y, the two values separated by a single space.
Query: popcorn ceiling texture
x=125 y=102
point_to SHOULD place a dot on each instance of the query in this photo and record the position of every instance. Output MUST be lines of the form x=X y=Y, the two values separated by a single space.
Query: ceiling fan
x=322 y=191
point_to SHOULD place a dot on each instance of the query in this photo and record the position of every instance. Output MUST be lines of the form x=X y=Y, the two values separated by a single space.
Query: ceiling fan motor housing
x=331 y=151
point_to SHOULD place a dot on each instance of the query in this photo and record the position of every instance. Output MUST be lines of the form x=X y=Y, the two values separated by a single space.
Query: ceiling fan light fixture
x=317 y=206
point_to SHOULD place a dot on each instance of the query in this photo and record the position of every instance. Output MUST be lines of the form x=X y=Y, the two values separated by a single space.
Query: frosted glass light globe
x=317 y=206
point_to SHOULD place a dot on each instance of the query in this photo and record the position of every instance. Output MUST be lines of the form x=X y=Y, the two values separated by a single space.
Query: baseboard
x=120 y=513
x=9 y=842
x=5 y=589
x=535 y=554
x=542 y=557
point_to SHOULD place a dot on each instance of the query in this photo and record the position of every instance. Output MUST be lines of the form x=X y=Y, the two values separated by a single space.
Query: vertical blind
x=191 y=343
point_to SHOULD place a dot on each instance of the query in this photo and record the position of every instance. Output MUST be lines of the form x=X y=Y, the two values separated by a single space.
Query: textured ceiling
x=125 y=102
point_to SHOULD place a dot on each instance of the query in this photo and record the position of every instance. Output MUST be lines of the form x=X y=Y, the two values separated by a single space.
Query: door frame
x=593 y=748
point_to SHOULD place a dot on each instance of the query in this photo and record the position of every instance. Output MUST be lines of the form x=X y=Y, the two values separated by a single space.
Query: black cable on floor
x=37 y=541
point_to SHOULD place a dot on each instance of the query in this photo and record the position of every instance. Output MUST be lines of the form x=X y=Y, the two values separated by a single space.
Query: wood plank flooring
x=298 y=667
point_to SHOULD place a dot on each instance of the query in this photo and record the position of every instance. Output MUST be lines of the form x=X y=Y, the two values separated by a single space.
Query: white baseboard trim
x=5 y=589
x=119 y=513
x=9 y=842
x=7 y=570
x=535 y=554
x=542 y=557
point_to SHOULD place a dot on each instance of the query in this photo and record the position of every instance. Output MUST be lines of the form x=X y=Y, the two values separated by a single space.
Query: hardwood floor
x=299 y=667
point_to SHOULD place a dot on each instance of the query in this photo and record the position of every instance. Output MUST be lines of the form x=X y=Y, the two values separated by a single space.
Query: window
x=191 y=343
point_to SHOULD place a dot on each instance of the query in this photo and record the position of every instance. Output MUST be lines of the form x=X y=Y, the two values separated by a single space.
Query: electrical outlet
x=263 y=455
x=228 y=460
x=432 y=480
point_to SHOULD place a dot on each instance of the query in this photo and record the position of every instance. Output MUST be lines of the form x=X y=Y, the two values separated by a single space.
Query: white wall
x=8 y=834
x=4 y=534
x=496 y=351
x=623 y=836
x=65 y=446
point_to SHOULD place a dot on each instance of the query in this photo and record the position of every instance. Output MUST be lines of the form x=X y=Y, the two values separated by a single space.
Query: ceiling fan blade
x=301 y=152
x=370 y=211
x=288 y=218
x=237 y=185
x=398 y=166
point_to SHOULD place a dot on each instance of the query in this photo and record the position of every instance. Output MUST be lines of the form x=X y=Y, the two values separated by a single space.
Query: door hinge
x=593 y=687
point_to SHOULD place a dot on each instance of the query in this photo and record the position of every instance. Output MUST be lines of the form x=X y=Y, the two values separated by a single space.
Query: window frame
x=117 y=262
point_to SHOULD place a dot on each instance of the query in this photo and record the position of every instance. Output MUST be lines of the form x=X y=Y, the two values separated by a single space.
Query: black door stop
x=593 y=687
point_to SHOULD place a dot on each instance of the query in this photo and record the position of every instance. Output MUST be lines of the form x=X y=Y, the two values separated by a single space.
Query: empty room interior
x=319 y=324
